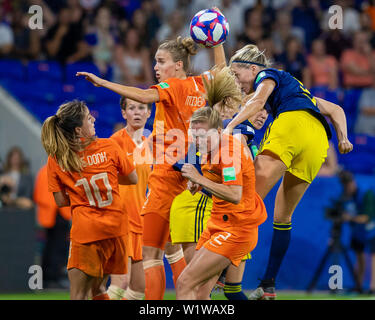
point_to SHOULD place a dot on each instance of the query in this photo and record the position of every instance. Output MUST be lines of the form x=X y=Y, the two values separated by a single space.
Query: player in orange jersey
x=176 y=96
x=229 y=175
x=232 y=229
x=133 y=145
x=84 y=172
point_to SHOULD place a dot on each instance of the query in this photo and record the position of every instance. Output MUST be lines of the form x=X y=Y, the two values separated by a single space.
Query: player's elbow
x=236 y=200
x=236 y=195
x=61 y=199
x=147 y=96
x=258 y=103
x=132 y=178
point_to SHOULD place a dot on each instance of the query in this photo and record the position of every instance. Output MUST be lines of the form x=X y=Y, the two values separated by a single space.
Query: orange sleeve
x=230 y=163
x=66 y=212
x=124 y=166
x=54 y=182
x=46 y=207
x=166 y=92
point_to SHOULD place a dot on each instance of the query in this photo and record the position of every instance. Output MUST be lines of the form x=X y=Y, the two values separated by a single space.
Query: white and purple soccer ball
x=209 y=28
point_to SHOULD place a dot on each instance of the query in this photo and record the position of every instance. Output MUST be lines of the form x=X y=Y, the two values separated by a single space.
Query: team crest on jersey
x=260 y=76
x=164 y=85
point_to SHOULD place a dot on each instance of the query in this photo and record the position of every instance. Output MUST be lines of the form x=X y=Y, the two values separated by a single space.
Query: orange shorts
x=135 y=243
x=163 y=186
x=227 y=239
x=108 y=256
x=155 y=231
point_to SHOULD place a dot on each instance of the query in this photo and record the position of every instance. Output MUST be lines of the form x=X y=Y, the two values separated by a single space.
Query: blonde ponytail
x=59 y=138
x=220 y=86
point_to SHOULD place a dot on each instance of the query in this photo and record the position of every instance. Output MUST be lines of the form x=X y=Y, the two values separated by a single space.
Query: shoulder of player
x=106 y=144
x=120 y=135
x=51 y=162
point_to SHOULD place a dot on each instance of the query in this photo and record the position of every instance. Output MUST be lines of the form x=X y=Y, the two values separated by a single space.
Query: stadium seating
x=41 y=86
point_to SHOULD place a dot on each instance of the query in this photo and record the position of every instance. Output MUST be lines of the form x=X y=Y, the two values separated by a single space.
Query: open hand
x=96 y=81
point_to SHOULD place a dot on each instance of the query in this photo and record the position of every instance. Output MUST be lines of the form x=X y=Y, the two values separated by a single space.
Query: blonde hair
x=250 y=54
x=59 y=137
x=180 y=49
x=220 y=86
x=207 y=115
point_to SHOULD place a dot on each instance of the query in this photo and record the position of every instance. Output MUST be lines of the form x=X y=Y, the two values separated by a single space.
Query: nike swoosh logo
x=129 y=154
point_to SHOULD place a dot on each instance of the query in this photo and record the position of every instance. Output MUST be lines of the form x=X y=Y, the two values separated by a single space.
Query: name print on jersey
x=96 y=158
x=194 y=101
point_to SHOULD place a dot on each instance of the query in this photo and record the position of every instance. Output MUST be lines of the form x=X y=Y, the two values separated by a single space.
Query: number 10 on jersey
x=86 y=186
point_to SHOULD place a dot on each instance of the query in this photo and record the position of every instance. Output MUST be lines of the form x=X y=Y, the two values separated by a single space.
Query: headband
x=249 y=62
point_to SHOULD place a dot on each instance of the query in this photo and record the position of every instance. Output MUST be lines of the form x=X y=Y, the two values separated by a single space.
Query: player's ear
x=78 y=131
x=179 y=65
x=123 y=113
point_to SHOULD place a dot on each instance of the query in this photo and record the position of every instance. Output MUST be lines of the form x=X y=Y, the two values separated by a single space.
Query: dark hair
x=124 y=103
x=24 y=166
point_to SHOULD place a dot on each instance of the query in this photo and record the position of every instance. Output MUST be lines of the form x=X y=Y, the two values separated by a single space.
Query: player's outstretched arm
x=219 y=53
x=253 y=105
x=133 y=93
x=338 y=119
x=219 y=57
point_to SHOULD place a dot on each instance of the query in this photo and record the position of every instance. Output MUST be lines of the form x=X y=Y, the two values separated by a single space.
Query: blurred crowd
x=121 y=37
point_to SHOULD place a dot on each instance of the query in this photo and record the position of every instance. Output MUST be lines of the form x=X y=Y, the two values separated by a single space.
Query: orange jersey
x=178 y=99
x=134 y=196
x=233 y=165
x=94 y=193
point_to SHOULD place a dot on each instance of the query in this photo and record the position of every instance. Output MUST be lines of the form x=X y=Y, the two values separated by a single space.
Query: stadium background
x=119 y=43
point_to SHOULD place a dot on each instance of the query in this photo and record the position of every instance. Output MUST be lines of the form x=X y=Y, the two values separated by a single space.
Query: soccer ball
x=209 y=28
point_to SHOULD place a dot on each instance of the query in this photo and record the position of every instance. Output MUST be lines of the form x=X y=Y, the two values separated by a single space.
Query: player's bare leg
x=233 y=282
x=137 y=283
x=204 y=266
x=289 y=194
x=189 y=250
x=80 y=284
x=269 y=169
